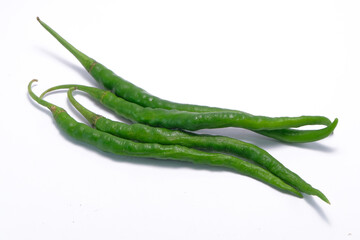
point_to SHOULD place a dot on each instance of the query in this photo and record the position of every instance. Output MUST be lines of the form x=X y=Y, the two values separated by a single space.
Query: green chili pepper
x=174 y=119
x=132 y=93
x=112 y=144
x=144 y=133
x=121 y=87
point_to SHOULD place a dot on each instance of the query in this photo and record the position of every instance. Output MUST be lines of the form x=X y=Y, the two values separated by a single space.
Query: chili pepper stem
x=39 y=100
x=53 y=108
x=90 y=116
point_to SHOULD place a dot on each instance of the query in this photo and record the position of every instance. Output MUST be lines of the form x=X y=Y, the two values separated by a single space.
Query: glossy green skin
x=123 y=88
x=223 y=117
x=152 y=117
x=174 y=119
x=148 y=134
x=300 y=136
x=112 y=144
x=137 y=95
x=277 y=128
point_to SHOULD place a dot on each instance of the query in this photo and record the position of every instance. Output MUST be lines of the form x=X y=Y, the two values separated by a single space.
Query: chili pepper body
x=132 y=93
x=112 y=144
x=148 y=134
x=174 y=119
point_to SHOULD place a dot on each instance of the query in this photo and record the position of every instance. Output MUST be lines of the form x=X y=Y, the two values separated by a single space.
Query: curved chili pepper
x=112 y=144
x=132 y=93
x=174 y=119
x=148 y=134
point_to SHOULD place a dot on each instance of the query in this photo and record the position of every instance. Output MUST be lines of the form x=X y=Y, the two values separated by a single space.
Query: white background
x=274 y=58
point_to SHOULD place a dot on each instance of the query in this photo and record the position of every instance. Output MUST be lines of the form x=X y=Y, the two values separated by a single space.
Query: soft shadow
x=243 y=135
x=310 y=200
x=316 y=146
x=77 y=68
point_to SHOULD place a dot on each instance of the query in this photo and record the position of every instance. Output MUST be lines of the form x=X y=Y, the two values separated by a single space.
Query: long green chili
x=109 y=143
x=148 y=134
x=174 y=119
x=132 y=93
